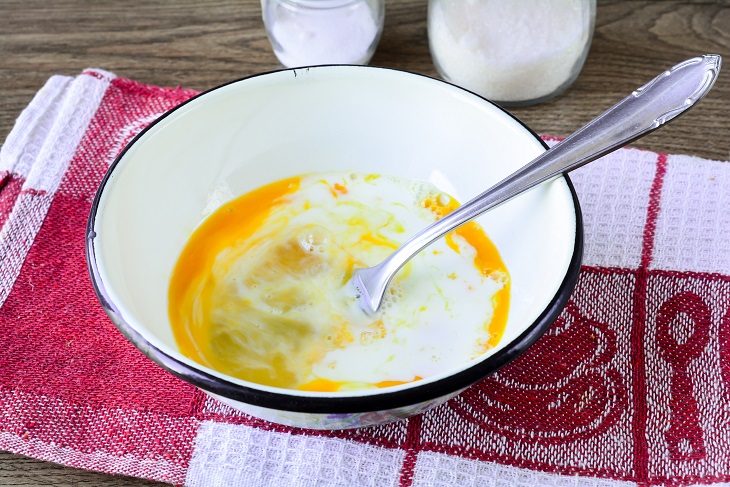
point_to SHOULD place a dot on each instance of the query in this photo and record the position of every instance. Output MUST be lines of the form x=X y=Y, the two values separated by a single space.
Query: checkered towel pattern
x=630 y=387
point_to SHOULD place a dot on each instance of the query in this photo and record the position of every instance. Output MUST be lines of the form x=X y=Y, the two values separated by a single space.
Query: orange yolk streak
x=235 y=220
x=487 y=260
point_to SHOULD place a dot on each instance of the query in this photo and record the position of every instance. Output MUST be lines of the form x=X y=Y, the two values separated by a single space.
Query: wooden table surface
x=200 y=44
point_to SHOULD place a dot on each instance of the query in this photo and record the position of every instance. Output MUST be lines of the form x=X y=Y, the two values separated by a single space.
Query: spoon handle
x=646 y=109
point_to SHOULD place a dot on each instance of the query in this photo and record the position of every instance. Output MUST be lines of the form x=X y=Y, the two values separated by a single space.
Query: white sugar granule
x=508 y=50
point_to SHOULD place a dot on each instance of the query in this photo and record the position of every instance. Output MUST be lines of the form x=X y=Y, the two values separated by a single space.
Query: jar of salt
x=511 y=52
x=311 y=32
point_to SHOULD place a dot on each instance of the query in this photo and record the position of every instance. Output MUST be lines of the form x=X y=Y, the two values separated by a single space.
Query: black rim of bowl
x=334 y=404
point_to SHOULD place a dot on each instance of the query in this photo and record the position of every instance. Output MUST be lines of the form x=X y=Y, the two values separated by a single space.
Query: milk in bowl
x=262 y=292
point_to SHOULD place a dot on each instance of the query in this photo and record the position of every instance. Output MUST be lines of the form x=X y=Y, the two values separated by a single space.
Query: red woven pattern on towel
x=632 y=383
x=67 y=376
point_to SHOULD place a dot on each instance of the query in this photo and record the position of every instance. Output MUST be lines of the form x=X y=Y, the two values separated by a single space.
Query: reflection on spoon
x=646 y=109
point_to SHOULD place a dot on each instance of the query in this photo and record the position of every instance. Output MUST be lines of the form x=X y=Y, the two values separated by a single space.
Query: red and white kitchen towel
x=630 y=387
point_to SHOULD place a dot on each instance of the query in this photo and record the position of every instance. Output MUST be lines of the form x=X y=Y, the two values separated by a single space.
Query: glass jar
x=311 y=32
x=511 y=52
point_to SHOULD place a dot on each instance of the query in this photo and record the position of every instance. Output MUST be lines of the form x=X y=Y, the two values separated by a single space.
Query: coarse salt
x=308 y=33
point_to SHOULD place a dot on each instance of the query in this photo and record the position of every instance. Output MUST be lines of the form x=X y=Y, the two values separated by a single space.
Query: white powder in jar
x=308 y=32
x=510 y=51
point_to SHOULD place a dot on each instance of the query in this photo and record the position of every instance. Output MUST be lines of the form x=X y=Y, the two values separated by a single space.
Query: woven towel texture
x=630 y=386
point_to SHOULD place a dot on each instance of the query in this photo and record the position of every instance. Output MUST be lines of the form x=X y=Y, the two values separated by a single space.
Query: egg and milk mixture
x=261 y=291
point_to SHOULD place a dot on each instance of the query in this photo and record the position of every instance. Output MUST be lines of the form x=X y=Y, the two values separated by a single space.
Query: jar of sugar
x=311 y=32
x=511 y=52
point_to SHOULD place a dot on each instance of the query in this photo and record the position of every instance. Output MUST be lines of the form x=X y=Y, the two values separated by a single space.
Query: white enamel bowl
x=250 y=132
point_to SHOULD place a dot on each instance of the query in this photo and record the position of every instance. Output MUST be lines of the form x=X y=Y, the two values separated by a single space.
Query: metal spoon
x=646 y=109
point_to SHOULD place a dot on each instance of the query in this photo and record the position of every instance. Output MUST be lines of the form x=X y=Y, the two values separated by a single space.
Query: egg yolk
x=261 y=289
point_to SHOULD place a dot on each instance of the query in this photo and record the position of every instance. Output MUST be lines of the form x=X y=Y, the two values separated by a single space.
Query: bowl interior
x=248 y=133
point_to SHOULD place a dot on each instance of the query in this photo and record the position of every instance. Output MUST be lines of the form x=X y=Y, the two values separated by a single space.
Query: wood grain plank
x=16 y=470
x=202 y=43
